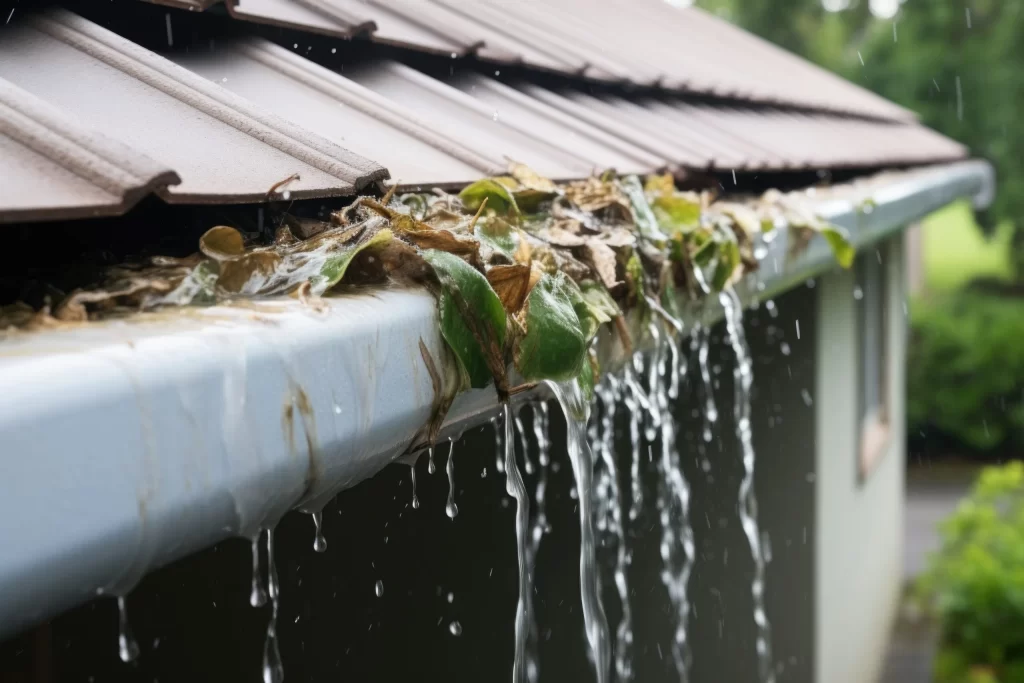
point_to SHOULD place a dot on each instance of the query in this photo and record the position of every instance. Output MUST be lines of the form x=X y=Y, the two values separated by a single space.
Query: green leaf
x=499 y=197
x=334 y=267
x=588 y=377
x=643 y=216
x=600 y=304
x=728 y=260
x=472 y=318
x=841 y=247
x=554 y=346
x=497 y=234
x=705 y=252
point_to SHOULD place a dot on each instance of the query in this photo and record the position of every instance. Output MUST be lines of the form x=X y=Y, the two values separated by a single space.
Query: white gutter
x=129 y=444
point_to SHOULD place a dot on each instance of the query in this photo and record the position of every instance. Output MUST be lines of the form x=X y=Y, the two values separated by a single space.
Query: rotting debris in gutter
x=526 y=272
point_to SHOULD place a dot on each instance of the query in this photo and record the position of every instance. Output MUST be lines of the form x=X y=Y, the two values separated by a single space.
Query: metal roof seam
x=363 y=99
x=358 y=24
x=207 y=97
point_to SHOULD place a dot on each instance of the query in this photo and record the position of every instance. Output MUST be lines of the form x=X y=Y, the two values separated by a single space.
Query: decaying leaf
x=222 y=243
x=603 y=260
x=511 y=284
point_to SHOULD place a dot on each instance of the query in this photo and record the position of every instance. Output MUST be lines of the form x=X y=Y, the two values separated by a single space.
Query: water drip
x=450 y=508
x=744 y=379
x=415 y=498
x=319 y=542
x=701 y=338
x=577 y=411
x=273 y=668
x=539 y=526
x=517 y=489
x=127 y=646
x=634 y=399
x=257 y=596
x=431 y=468
x=499 y=451
x=378 y=588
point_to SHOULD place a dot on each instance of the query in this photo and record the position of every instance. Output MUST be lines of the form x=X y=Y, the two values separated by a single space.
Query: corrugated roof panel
x=289 y=14
x=461 y=117
x=52 y=167
x=585 y=140
x=341 y=110
x=223 y=148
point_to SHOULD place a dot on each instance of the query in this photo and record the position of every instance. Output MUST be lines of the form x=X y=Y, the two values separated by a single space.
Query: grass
x=956 y=251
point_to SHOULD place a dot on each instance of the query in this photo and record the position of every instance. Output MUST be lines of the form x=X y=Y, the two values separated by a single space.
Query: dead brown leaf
x=511 y=284
x=222 y=243
x=602 y=259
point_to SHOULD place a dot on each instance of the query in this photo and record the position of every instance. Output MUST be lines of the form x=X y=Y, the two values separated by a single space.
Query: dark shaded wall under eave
x=193 y=621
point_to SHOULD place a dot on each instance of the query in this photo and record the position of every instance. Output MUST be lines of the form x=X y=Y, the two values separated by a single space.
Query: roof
x=226 y=123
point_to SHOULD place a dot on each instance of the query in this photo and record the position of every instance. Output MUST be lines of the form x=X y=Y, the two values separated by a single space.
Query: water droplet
x=455 y=628
x=450 y=508
x=337 y=409
x=273 y=668
x=378 y=588
x=431 y=468
x=257 y=596
x=415 y=498
x=806 y=396
x=319 y=542
x=858 y=293
x=784 y=348
x=451 y=598
x=127 y=647
x=494 y=116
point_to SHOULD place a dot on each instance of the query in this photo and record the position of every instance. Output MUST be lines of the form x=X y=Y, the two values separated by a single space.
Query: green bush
x=975 y=583
x=965 y=369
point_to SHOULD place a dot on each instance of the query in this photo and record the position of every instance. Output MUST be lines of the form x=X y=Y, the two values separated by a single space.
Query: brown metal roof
x=643 y=42
x=223 y=147
x=343 y=111
x=54 y=168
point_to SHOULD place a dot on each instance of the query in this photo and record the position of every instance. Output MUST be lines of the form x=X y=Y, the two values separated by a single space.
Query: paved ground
x=933 y=492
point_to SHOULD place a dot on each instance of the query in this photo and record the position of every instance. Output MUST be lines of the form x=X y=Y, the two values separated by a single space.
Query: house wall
x=859 y=524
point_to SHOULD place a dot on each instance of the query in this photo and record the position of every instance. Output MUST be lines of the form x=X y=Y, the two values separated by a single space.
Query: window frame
x=873 y=316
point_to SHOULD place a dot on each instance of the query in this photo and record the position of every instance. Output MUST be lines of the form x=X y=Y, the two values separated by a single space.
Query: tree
x=958 y=63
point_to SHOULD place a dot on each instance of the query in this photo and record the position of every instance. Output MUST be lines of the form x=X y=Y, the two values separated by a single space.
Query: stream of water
x=744 y=379
x=517 y=489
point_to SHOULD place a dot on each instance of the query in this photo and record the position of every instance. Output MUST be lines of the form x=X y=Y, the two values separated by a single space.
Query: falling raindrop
x=319 y=542
x=517 y=489
x=431 y=468
x=455 y=628
x=378 y=588
x=784 y=348
x=858 y=293
x=127 y=647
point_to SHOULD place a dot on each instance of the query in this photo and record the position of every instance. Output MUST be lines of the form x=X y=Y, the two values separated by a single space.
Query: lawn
x=956 y=251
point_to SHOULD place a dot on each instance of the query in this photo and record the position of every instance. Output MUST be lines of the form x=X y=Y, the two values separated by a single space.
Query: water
x=701 y=338
x=499 y=451
x=577 y=412
x=273 y=668
x=319 y=542
x=677 y=546
x=450 y=508
x=517 y=489
x=431 y=468
x=538 y=526
x=521 y=436
x=455 y=628
x=636 y=402
x=127 y=646
x=257 y=596
x=744 y=378
x=608 y=515
x=378 y=588
x=415 y=498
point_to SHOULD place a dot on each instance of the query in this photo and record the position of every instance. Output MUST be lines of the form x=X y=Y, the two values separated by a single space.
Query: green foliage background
x=922 y=59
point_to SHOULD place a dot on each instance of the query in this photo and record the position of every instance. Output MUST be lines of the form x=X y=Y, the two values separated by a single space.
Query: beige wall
x=859 y=525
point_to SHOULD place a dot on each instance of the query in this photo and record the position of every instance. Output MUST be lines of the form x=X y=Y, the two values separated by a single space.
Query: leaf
x=660 y=184
x=530 y=179
x=333 y=269
x=222 y=243
x=643 y=216
x=499 y=197
x=498 y=236
x=705 y=251
x=603 y=260
x=473 y=320
x=841 y=247
x=248 y=273
x=587 y=378
x=561 y=237
x=553 y=346
x=728 y=260
x=679 y=211
x=511 y=284
x=599 y=302
x=743 y=216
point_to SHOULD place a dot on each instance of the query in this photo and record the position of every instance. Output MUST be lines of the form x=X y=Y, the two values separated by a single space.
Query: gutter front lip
x=129 y=444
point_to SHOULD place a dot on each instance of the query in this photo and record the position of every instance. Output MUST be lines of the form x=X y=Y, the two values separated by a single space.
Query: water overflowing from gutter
x=608 y=514
x=517 y=489
x=257 y=596
x=127 y=646
x=577 y=412
x=450 y=508
x=744 y=379
x=273 y=668
x=539 y=525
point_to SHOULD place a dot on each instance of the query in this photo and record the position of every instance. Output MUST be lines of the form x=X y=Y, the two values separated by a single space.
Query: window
x=871 y=295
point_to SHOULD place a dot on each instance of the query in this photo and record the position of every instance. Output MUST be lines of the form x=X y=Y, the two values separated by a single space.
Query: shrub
x=975 y=583
x=965 y=369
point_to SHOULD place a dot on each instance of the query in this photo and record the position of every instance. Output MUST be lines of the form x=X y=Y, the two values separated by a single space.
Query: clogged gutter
x=525 y=271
